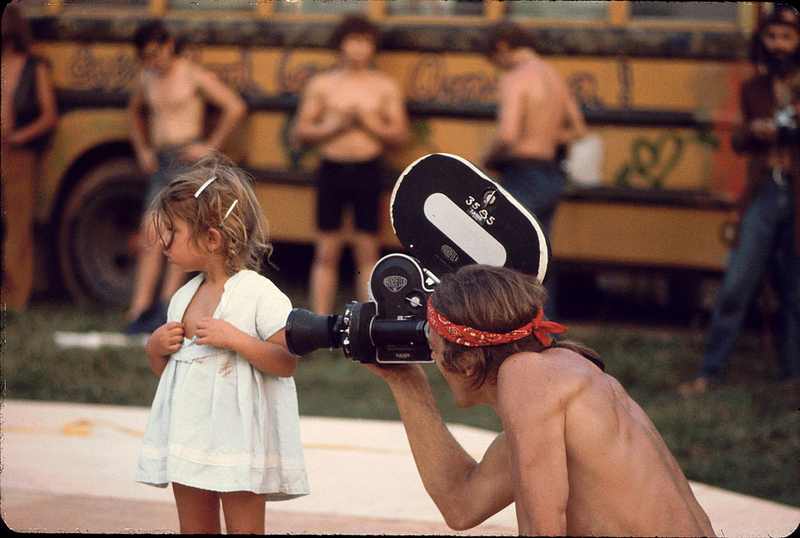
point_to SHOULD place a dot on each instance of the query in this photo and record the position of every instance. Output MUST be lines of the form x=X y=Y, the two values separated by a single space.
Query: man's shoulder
x=380 y=76
x=528 y=73
x=327 y=76
x=564 y=368
x=552 y=380
x=194 y=72
x=323 y=80
x=553 y=363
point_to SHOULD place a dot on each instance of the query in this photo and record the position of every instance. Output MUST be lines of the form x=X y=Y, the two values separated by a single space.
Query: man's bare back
x=546 y=110
x=537 y=112
x=585 y=457
x=354 y=101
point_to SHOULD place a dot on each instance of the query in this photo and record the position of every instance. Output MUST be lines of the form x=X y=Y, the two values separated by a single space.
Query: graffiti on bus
x=92 y=72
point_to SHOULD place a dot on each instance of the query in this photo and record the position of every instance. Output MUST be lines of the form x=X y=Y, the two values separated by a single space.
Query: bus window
x=434 y=8
x=560 y=10
x=684 y=11
x=317 y=7
x=33 y=4
x=216 y=5
x=105 y=3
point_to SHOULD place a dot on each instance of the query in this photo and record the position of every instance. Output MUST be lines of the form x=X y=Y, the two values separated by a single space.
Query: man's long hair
x=497 y=300
x=781 y=14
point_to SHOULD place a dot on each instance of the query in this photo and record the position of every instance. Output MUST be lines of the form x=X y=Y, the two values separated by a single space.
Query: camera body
x=788 y=124
x=390 y=328
x=447 y=213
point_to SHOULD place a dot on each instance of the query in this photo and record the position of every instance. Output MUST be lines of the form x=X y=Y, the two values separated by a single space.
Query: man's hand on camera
x=764 y=130
x=397 y=373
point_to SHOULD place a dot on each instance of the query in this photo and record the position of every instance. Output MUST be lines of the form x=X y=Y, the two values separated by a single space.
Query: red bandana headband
x=467 y=336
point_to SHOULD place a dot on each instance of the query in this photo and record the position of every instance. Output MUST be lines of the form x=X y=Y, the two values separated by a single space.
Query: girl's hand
x=216 y=332
x=166 y=340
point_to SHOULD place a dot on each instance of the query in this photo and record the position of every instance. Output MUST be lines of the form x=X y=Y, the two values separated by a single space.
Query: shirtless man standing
x=353 y=114
x=536 y=117
x=167 y=113
x=577 y=455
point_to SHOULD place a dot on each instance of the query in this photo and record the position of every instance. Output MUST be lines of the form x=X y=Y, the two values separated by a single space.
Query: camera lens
x=307 y=332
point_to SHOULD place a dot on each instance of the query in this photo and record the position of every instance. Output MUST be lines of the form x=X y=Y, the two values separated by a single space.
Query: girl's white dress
x=218 y=423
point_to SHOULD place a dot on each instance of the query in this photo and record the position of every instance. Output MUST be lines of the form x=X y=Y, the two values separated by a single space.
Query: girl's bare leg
x=244 y=512
x=198 y=510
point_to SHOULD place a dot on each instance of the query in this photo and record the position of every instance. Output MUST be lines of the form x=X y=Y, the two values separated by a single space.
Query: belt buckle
x=778 y=177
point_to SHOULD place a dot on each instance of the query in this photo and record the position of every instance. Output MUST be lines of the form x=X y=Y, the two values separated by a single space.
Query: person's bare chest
x=203 y=304
x=353 y=93
x=171 y=91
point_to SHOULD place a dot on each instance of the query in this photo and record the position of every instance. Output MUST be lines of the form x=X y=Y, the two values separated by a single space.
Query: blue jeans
x=538 y=187
x=766 y=243
x=169 y=166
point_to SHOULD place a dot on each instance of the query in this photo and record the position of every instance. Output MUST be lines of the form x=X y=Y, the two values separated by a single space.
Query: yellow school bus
x=652 y=185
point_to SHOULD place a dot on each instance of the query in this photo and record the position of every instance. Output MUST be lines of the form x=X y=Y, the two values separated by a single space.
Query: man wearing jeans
x=769 y=230
x=536 y=118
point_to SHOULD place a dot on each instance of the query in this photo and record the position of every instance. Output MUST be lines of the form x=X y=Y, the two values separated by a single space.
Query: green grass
x=743 y=436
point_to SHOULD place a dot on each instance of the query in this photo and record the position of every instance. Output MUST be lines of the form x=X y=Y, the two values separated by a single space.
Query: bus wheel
x=97 y=230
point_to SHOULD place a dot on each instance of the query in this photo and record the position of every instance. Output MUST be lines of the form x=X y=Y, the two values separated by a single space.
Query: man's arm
x=509 y=120
x=574 y=124
x=533 y=417
x=230 y=103
x=137 y=108
x=751 y=133
x=465 y=491
x=47 y=104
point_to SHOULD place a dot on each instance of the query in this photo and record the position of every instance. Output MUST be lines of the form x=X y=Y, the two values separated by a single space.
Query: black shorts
x=339 y=184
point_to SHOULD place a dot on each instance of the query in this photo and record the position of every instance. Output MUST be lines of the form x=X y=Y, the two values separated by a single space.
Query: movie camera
x=447 y=213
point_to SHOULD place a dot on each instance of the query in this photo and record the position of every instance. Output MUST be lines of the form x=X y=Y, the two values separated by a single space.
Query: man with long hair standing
x=769 y=229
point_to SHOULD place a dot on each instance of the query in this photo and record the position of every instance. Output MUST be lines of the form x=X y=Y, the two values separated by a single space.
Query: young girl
x=224 y=424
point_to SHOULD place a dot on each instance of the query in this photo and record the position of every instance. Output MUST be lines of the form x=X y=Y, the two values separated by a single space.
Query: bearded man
x=769 y=230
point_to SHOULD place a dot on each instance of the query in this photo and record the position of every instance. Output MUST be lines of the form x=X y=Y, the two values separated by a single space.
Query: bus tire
x=97 y=230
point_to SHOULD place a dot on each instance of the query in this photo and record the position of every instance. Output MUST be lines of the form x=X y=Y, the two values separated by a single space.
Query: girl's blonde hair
x=227 y=204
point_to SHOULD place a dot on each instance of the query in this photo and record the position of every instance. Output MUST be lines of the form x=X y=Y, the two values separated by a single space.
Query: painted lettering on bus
x=429 y=81
x=238 y=74
x=111 y=73
x=292 y=77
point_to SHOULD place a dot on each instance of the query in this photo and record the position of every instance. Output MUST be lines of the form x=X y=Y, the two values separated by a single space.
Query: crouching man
x=577 y=455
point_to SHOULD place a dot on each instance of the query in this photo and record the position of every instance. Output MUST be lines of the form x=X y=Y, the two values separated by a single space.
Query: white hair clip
x=203 y=187
x=230 y=209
